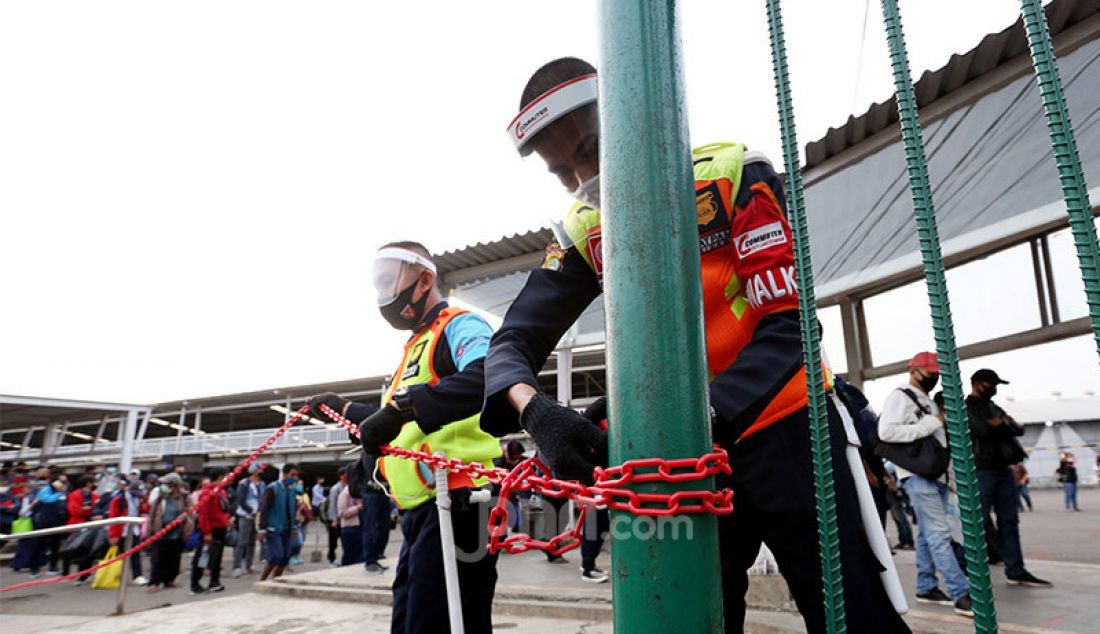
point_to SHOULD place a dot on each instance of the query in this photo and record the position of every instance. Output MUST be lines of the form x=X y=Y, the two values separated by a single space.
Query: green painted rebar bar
x=656 y=361
x=828 y=537
x=962 y=457
x=1074 y=190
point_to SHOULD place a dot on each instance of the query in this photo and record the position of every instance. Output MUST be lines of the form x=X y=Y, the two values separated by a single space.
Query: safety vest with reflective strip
x=729 y=316
x=411 y=483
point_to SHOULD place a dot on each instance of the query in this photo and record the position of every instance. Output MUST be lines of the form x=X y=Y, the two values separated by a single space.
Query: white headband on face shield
x=394 y=253
x=550 y=106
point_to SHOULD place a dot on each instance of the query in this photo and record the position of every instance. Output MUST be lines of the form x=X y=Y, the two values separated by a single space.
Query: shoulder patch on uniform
x=554 y=257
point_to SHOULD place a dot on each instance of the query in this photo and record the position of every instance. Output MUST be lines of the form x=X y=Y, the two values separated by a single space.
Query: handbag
x=77 y=545
x=108 y=577
x=925 y=457
x=22 y=525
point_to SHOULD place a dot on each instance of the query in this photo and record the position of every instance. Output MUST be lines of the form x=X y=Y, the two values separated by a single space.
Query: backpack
x=925 y=457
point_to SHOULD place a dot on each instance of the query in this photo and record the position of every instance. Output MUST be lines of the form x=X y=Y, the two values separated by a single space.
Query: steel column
x=655 y=348
x=127 y=430
x=824 y=491
x=958 y=431
x=1074 y=190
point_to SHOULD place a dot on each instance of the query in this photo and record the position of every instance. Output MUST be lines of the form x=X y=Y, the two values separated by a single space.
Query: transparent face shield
x=395 y=270
x=557 y=134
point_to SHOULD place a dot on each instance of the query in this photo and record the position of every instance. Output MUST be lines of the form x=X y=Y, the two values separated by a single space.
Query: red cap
x=925 y=361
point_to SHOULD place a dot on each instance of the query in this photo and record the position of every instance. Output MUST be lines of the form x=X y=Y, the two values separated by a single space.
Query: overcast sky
x=190 y=193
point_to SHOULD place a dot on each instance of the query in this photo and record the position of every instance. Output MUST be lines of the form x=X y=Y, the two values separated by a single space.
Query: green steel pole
x=828 y=536
x=1074 y=190
x=665 y=570
x=958 y=432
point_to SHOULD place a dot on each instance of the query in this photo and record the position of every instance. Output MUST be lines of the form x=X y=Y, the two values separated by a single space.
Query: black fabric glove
x=380 y=428
x=571 y=443
x=331 y=399
x=597 y=412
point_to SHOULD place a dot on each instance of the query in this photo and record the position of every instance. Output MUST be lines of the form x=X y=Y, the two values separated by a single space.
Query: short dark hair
x=410 y=245
x=290 y=466
x=342 y=471
x=551 y=74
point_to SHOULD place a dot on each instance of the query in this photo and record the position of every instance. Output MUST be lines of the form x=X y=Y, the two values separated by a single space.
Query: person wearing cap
x=909 y=415
x=431 y=404
x=754 y=351
x=994 y=434
x=171 y=504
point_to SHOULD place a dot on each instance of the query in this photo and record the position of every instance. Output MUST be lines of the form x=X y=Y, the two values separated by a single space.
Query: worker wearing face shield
x=754 y=351
x=431 y=404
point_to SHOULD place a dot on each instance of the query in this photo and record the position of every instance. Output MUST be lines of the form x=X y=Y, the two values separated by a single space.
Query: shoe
x=140 y=581
x=35 y=575
x=1028 y=579
x=964 y=606
x=904 y=547
x=156 y=587
x=80 y=582
x=198 y=590
x=594 y=576
x=53 y=573
x=333 y=564
x=936 y=596
x=217 y=588
x=295 y=560
x=171 y=584
x=376 y=568
x=236 y=574
x=557 y=559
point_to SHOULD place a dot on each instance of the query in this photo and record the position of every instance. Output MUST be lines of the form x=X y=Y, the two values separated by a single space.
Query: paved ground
x=1060 y=546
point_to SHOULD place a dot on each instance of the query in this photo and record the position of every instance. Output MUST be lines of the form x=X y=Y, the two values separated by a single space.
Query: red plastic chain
x=217 y=487
x=607 y=491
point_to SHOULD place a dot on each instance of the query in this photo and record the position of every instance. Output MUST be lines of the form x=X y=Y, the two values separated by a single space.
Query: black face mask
x=392 y=311
x=928 y=383
x=989 y=392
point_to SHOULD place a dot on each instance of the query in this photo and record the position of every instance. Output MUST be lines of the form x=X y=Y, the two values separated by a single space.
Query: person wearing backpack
x=909 y=418
x=47 y=511
x=247 y=505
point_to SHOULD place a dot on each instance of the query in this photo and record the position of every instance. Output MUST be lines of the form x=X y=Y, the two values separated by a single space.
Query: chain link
x=608 y=489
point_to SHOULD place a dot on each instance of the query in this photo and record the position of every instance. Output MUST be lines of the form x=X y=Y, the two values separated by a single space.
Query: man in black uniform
x=753 y=351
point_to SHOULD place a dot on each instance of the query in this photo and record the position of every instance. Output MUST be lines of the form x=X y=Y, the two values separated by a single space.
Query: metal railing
x=120 y=596
x=314 y=436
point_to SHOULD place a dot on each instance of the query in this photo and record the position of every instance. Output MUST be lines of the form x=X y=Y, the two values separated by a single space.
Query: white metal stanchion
x=447 y=539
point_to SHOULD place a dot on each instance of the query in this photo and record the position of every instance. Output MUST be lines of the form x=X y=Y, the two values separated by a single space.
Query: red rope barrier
x=216 y=487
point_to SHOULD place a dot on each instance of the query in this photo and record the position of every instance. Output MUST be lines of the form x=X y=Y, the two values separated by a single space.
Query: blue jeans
x=1000 y=496
x=930 y=499
x=278 y=548
x=1070 y=489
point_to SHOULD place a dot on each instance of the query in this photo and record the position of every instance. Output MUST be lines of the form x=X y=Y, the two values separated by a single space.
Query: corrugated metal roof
x=994 y=50
x=486 y=252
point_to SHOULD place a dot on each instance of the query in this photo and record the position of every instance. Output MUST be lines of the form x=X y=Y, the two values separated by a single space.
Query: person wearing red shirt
x=79 y=505
x=213 y=520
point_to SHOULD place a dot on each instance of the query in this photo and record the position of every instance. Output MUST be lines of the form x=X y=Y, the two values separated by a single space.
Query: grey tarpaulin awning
x=990 y=165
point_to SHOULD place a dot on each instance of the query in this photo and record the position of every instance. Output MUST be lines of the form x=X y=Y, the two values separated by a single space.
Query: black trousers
x=333 y=540
x=166 y=561
x=774 y=503
x=214 y=560
x=419 y=589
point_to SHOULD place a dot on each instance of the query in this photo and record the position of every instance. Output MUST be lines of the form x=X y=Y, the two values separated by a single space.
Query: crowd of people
x=266 y=515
